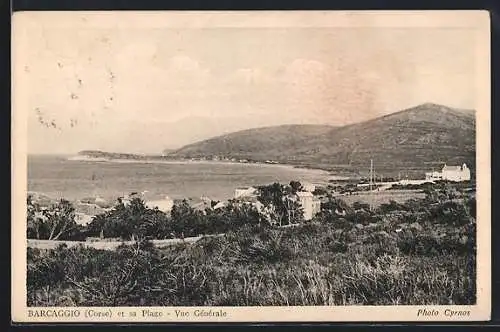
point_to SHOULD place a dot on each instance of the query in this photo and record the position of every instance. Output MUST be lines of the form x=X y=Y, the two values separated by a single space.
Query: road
x=110 y=245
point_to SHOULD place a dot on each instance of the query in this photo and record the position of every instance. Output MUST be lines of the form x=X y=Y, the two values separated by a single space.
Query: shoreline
x=317 y=170
x=323 y=177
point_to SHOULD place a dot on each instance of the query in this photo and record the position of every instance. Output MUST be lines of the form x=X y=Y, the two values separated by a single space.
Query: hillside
x=96 y=154
x=258 y=144
x=419 y=138
x=108 y=155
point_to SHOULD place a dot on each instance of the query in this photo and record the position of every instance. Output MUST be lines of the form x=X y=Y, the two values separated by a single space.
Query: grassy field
x=309 y=265
x=381 y=197
x=418 y=252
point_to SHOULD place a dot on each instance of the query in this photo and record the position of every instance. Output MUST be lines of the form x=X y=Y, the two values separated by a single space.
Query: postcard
x=251 y=166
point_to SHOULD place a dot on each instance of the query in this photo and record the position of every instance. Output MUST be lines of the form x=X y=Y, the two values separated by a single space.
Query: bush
x=57 y=222
x=408 y=256
x=310 y=265
x=389 y=207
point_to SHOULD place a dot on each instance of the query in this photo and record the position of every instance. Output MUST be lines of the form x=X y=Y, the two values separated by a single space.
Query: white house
x=433 y=176
x=450 y=173
x=306 y=186
x=219 y=205
x=310 y=204
x=164 y=205
x=244 y=192
x=82 y=218
x=456 y=173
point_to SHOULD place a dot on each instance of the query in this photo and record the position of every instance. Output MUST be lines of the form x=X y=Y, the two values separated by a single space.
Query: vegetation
x=418 y=252
x=437 y=185
x=116 y=155
x=54 y=223
x=135 y=221
x=281 y=204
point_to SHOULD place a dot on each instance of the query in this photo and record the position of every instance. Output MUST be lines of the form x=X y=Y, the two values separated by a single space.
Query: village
x=310 y=196
x=352 y=222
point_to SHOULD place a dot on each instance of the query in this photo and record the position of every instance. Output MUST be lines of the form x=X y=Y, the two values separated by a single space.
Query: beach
x=58 y=177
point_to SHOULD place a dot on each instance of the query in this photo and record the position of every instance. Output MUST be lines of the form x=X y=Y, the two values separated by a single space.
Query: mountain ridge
x=417 y=137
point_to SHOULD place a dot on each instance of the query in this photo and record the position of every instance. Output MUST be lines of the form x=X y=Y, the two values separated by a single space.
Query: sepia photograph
x=189 y=166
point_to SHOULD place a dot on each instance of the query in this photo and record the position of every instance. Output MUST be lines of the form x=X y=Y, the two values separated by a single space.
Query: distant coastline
x=99 y=156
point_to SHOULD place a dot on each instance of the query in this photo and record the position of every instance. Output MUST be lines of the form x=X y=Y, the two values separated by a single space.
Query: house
x=456 y=173
x=201 y=204
x=433 y=176
x=340 y=212
x=97 y=200
x=244 y=192
x=164 y=205
x=450 y=173
x=82 y=218
x=310 y=204
x=126 y=199
x=219 y=205
x=88 y=209
x=254 y=201
x=308 y=187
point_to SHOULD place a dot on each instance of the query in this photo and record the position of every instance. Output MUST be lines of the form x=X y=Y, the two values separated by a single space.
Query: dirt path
x=109 y=245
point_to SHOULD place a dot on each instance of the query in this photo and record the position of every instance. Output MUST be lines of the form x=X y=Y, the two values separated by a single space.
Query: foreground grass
x=311 y=265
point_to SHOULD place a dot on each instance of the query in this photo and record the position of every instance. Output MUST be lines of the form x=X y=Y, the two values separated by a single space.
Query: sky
x=143 y=89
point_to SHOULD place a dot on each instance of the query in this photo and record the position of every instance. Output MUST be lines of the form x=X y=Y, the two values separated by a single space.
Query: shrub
x=406 y=256
x=57 y=222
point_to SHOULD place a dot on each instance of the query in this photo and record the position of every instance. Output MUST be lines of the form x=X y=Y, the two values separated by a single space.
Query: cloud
x=250 y=76
x=305 y=78
x=184 y=72
x=334 y=93
x=134 y=78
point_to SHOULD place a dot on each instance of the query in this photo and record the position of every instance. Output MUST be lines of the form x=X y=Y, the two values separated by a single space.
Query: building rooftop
x=452 y=168
x=247 y=199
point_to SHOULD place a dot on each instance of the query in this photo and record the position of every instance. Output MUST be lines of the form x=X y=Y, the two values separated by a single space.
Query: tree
x=186 y=221
x=457 y=213
x=294 y=211
x=232 y=216
x=361 y=206
x=271 y=194
x=34 y=219
x=131 y=222
x=391 y=206
x=281 y=203
x=333 y=209
x=295 y=186
x=57 y=222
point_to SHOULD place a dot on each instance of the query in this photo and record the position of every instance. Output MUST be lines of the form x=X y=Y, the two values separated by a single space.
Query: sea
x=60 y=177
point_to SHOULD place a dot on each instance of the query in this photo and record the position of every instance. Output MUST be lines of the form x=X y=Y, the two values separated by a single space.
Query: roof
x=163 y=205
x=452 y=168
x=219 y=205
x=304 y=194
x=82 y=218
x=88 y=209
x=201 y=205
x=249 y=198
